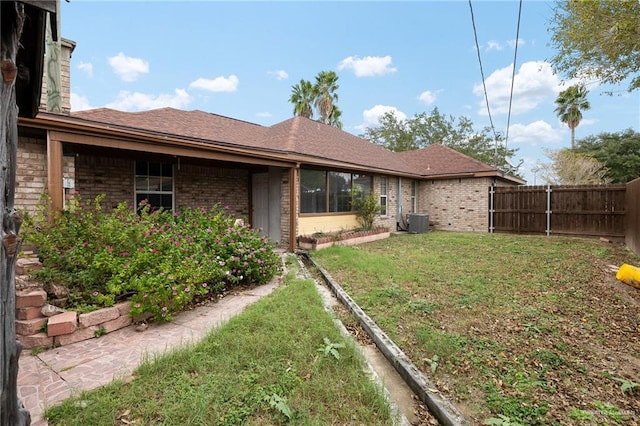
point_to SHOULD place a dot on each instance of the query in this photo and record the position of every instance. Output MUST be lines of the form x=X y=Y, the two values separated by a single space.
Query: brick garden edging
x=349 y=238
x=33 y=329
x=66 y=327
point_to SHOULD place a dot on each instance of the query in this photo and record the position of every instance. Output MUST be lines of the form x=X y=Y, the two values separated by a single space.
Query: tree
x=423 y=129
x=318 y=99
x=598 y=38
x=570 y=104
x=325 y=94
x=568 y=167
x=619 y=152
x=302 y=98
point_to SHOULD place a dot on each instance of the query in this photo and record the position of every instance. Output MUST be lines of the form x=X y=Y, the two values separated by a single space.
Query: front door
x=265 y=200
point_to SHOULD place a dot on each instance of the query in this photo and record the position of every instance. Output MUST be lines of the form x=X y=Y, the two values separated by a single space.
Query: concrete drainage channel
x=413 y=379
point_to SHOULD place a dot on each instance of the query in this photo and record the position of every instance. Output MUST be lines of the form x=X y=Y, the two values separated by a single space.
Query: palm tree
x=302 y=98
x=570 y=104
x=334 y=119
x=325 y=94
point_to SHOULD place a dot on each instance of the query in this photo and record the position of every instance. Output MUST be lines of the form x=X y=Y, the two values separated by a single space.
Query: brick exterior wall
x=456 y=204
x=31 y=173
x=112 y=176
x=202 y=186
x=285 y=208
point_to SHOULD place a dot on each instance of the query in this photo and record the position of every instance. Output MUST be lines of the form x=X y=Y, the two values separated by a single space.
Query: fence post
x=548 y=191
x=491 y=209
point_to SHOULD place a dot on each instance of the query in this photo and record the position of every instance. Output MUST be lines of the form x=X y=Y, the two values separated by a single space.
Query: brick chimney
x=67 y=47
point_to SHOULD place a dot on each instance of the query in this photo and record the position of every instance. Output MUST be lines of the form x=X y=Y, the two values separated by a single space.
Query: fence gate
x=587 y=210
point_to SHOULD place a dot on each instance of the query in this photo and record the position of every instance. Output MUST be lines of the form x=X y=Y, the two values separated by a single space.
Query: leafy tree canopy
x=598 y=38
x=568 y=167
x=619 y=152
x=424 y=129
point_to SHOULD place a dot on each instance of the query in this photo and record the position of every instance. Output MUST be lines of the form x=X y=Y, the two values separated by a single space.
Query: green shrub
x=366 y=207
x=159 y=260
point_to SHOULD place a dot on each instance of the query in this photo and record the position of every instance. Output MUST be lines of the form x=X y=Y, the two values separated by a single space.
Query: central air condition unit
x=418 y=223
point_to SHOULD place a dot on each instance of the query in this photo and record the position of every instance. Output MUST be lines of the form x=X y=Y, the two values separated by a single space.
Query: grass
x=526 y=329
x=282 y=361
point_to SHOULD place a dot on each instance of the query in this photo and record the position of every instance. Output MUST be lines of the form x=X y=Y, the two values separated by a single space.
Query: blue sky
x=240 y=59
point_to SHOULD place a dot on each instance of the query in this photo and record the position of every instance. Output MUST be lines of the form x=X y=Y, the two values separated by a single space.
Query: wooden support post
x=54 y=174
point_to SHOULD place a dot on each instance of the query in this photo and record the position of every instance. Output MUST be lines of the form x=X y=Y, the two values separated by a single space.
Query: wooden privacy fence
x=584 y=210
x=633 y=216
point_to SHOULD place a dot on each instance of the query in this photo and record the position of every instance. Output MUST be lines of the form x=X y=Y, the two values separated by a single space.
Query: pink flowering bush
x=160 y=261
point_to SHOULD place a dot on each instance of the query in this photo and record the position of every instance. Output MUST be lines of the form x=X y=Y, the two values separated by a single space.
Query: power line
x=484 y=85
x=513 y=77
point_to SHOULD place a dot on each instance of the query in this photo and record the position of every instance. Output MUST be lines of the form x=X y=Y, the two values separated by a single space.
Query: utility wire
x=513 y=77
x=484 y=85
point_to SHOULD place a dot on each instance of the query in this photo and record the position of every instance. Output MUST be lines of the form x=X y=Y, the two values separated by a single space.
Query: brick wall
x=203 y=186
x=456 y=204
x=285 y=208
x=99 y=174
x=31 y=173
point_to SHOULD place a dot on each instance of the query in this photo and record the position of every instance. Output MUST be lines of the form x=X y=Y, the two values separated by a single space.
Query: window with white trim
x=414 y=196
x=154 y=183
x=384 y=188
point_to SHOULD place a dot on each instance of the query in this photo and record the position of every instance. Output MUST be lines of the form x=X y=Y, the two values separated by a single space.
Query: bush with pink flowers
x=162 y=261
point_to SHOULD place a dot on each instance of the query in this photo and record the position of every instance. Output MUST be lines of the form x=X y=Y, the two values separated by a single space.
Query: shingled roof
x=297 y=138
x=438 y=159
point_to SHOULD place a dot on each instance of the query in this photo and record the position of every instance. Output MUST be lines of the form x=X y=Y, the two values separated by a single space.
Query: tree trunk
x=12 y=412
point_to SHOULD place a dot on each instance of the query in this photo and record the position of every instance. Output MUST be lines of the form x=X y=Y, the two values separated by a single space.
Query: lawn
x=282 y=361
x=518 y=329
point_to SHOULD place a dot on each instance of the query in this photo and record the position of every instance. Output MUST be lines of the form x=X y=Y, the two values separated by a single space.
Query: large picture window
x=154 y=183
x=329 y=191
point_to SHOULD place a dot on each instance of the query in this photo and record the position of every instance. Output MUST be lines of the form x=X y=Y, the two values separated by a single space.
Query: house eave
x=77 y=131
x=466 y=175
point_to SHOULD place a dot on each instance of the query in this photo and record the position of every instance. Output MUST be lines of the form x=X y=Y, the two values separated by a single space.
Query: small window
x=154 y=183
x=414 y=196
x=383 y=195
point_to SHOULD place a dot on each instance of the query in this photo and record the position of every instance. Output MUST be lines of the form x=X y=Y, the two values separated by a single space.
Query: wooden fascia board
x=315 y=162
x=169 y=149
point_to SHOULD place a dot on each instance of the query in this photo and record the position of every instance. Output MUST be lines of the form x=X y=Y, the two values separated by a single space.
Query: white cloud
x=538 y=133
x=263 y=114
x=128 y=101
x=372 y=115
x=218 y=84
x=428 y=97
x=493 y=45
x=279 y=74
x=512 y=43
x=128 y=68
x=534 y=83
x=79 y=103
x=86 y=67
x=368 y=66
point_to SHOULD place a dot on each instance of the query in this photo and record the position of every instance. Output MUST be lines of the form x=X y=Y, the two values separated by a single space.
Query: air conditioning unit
x=418 y=223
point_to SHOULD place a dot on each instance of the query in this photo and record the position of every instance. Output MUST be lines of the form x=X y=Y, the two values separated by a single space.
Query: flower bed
x=345 y=238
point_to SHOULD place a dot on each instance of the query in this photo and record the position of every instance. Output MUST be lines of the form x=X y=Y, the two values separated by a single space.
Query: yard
x=518 y=329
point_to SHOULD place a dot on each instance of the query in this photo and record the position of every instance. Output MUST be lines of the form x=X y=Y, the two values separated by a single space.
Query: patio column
x=293 y=206
x=54 y=173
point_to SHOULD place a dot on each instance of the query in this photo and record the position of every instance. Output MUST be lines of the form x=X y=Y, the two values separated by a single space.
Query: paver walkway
x=51 y=376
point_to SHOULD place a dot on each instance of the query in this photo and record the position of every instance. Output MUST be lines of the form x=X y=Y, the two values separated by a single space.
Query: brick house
x=293 y=178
